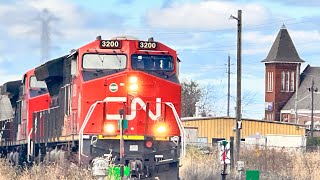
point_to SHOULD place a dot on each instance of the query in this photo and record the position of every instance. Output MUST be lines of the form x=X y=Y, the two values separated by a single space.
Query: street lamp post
x=238 y=110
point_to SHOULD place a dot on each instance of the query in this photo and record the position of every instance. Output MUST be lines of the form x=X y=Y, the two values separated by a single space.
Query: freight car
x=119 y=96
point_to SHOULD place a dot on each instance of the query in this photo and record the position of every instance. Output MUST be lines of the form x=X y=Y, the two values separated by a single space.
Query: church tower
x=281 y=74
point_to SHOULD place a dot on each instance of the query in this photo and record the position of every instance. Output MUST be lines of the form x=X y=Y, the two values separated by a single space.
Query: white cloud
x=22 y=18
x=258 y=37
x=21 y=30
x=4 y=9
x=69 y=11
x=19 y=23
x=257 y=42
x=68 y=19
x=205 y=15
x=19 y=26
x=256 y=50
x=304 y=36
x=5 y=77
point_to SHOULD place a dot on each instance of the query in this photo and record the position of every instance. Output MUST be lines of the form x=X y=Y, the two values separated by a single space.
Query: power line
x=233 y=47
x=257 y=26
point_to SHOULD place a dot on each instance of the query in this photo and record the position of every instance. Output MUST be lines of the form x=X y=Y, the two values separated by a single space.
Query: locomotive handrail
x=29 y=145
x=181 y=128
x=92 y=107
x=84 y=124
x=48 y=109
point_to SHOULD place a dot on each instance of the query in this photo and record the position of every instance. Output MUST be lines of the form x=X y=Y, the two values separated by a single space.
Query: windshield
x=152 y=62
x=34 y=83
x=104 y=61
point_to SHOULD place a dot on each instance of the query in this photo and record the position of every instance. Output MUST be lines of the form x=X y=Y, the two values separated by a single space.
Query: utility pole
x=238 y=114
x=296 y=95
x=312 y=89
x=228 y=106
x=121 y=148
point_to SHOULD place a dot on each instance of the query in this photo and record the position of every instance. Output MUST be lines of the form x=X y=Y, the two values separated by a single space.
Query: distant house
x=282 y=75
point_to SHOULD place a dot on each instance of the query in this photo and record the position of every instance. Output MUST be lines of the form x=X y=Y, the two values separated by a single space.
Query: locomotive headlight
x=133 y=80
x=109 y=128
x=133 y=83
x=133 y=87
x=161 y=129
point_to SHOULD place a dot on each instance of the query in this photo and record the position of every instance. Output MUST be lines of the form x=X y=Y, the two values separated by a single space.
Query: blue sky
x=200 y=31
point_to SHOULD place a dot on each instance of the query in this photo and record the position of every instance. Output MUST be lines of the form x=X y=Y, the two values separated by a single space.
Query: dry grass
x=6 y=171
x=308 y=168
x=272 y=163
x=200 y=166
x=39 y=172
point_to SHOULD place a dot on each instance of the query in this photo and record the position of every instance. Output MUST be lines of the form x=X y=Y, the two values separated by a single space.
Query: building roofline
x=282 y=62
x=185 y=119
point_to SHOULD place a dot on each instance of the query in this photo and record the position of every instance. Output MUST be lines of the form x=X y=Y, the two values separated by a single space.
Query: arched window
x=283 y=81
x=292 y=82
x=270 y=82
x=288 y=82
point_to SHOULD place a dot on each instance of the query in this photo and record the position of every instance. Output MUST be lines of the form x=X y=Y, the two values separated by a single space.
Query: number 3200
x=147 y=45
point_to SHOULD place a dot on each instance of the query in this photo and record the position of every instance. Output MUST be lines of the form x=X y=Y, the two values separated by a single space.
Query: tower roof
x=283 y=50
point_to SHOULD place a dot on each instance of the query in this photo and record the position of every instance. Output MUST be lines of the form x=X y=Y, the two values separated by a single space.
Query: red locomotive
x=120 y=96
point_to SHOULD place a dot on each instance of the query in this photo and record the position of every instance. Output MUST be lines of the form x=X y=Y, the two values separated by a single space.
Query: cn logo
x=134 y=108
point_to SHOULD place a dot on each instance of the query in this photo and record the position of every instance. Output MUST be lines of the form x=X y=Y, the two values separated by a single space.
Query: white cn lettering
x=134 y=108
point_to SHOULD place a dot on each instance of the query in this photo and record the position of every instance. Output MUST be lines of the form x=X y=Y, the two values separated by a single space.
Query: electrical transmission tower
x=45 y=18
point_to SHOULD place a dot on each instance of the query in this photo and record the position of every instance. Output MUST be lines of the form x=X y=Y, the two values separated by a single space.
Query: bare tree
x=248 y=98
x=207 y=100
x=191 y=93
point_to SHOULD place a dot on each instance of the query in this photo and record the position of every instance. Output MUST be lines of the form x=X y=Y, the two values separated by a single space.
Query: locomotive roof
x=10 y=87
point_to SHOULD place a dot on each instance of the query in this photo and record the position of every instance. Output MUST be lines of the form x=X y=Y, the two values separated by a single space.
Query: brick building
x=283 y=80
x=282 y=65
